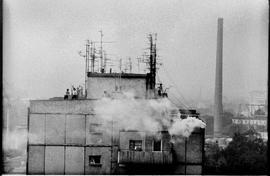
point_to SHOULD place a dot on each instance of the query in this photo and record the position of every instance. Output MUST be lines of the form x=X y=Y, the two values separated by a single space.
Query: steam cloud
x=149 y=115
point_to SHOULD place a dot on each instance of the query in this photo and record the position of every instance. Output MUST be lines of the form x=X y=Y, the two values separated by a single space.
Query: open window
x=157 y=145
x=95 y=160
x=135 y=145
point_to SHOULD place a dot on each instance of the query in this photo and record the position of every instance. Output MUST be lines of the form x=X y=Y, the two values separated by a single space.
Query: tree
x=246 y=154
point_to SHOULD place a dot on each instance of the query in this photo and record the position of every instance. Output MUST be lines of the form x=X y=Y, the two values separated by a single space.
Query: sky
x=42 y=38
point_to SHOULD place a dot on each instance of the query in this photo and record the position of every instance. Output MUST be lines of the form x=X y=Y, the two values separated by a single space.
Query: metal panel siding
x=36 y=129
x=55 y=129
x=54 y=160
x=75 y=129
x=74 y=160
x=36 y=160
x=105 y=167
x=194 y=149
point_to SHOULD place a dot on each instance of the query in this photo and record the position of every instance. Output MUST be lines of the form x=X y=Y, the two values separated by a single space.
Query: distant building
x=67 y=137
x=253 y=115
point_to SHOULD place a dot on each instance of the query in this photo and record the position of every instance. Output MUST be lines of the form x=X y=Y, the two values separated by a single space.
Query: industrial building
x=69 y=137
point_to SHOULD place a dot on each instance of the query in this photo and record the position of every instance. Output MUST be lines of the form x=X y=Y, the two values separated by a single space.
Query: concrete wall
x=74 y=160
x=189 y=151
x=54 y=160
x=179 y=150
x=97 y=86
x=62 y=106
x=75 y=129
x=37 y=129
x=69 y=123
x=36 y=159
x=194 y=170
x=194 y=149
x=98 y=132
x=55 y=129
x=104 y=167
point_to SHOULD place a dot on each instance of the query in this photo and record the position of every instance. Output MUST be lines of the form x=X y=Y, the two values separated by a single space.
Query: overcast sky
x=42 y=39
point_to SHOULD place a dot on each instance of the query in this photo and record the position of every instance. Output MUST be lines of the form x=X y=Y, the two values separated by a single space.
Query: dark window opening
x=157 y=145
x=135 y=145
x=94 y=160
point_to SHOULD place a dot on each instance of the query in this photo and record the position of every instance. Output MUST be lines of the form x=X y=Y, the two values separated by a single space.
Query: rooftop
x=123 y=75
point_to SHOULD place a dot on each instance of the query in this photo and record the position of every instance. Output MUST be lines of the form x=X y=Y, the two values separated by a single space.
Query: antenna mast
x=86 y=56
x=152 y=61
x=101 y=53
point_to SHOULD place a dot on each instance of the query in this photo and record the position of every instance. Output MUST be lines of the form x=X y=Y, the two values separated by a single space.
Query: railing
x=142 y=157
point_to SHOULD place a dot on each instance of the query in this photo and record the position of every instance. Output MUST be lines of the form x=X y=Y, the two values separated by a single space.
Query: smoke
x=14 y=140
x=149 y=115
x=186 y=126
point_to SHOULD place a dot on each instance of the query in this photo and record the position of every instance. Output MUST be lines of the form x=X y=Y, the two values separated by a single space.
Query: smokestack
x=218 y=109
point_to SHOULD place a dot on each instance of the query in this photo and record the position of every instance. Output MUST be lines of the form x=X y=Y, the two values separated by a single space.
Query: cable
x=179 y=101
x=177 y=89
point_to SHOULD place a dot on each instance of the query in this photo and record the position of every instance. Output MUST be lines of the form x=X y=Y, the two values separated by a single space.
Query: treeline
x=245 y=154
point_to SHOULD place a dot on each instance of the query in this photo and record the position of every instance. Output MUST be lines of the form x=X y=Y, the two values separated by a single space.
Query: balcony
x=142 y=157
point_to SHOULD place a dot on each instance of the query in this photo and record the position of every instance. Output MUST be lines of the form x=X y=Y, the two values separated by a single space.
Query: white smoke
x=149 y=115
x=185 y=127
x=14 y=140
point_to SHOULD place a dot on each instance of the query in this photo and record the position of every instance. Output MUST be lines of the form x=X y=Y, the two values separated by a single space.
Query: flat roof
x=123 y=75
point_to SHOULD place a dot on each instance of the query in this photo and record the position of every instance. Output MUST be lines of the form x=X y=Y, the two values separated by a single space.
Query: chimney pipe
x=218 y=109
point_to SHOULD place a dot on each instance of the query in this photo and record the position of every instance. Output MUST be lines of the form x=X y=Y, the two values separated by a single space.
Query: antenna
x=105 y=61
x=86 y=56
x=138 y=64
x=152 y=61
x=130 y=64
x=93 y=56
x=101 y=52
x=120 y=65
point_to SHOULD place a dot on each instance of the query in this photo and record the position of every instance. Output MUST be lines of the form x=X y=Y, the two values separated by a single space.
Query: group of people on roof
x=75 y=93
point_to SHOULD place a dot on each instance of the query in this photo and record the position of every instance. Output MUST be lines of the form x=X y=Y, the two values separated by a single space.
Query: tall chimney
x=218 y=109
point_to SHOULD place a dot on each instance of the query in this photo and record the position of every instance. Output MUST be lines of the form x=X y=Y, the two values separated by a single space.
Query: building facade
x=68 y=137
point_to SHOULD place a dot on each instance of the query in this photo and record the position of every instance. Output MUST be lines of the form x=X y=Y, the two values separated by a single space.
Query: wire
x=178 y=100
x=177 y=89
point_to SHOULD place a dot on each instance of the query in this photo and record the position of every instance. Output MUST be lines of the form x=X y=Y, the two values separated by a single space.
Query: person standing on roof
x=67 y=95
x=74 y=92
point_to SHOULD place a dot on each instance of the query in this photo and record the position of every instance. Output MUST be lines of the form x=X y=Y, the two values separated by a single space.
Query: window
x=157 y=145
x=135 y=145
x=94 y=160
